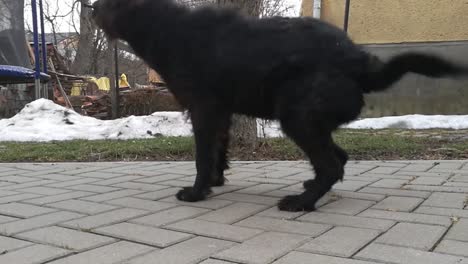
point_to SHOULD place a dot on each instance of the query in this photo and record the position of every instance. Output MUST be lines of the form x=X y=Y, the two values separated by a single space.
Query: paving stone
x=36 y=222
x=430 y=188
x=110 y=254
x=5 y=219
x=442 y=211
x=248 y=198
x=92 y=173
x=23 y=210
x=401 y=255
x=340 y=241
x=57 y=198
x=389 y=183
x=33 y=255
x=156 y=195
x=153 y=206
x=261 y=188
x=144 y=234
x=351 y=185
x=170 y=216
x=160 y=178
x=112 y=195
x=417 y=167
x=214 y=230
x=398 y=203
x=72 y=182
x=425 y=174
x=66 y=238
x=139 y=186
x=8 y=244
x=187 y=252
x=286 y=226
x=459 y=231
x=17 y=179
x=274 y=212
x=259 y=179
x=413 y=235
x=17 y=197
x=347 y=220
x=43 y=190
x=83 y=207
x=102 y=219
x=429 y=181
x=396 y=192
x=210 y=203
x=358 y=195
x=232 y=213
x=451 y=247
x=309 y=258
x=215 y=261
x=114 y=181
x=262 y=249
x=92 y=188
x=447 y=200
x=346 y=206
x=385 y=170
x=408 y=217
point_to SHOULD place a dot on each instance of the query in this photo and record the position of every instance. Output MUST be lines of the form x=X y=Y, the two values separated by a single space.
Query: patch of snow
x=43 y=120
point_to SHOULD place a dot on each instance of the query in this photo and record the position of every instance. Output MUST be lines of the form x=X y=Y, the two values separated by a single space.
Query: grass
x=361 y=145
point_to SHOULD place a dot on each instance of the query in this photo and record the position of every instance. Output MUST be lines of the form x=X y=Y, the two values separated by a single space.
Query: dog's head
x=115 y=16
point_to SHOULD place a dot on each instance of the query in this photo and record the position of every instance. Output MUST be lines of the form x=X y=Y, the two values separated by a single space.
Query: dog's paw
x=218 y=182
x=188 y=194
x=295 y=203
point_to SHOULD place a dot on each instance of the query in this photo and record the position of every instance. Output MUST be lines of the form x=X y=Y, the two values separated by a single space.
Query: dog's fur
x=301 y=71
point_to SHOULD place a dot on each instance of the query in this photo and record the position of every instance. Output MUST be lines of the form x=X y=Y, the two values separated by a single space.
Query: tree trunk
x=244 y=129
x=84 y=54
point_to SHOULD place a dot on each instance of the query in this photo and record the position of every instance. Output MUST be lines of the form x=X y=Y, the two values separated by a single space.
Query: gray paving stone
x=459 y=231
x=36 y=222
x=143 y=234
x=350 y=185
x=23 y=210
x=8 y=244
x=114 y=181
x=359 y=196
x=110 y=254
x=385 y=170
x=160 y=178
x=398 y=203
x=262 y=249
x=453 y=247
x=442 y=211
x=156 y=195
x=5 y=219
x=102 y=219
x=187 y=252
x=92 y=188
x=389 y=183
x=340 y=241
x=429 y=180
x=33 y=255
x=210 y=203
x=418 y=167
x=347 y=220
x=170 y=216
x=56 y=198
x=447 y=200
x=261 y=188
x=73 y=182
x=111 y=195
x=83 y=207
x=401 y=255
x=17 y=179
x=309 y=258
x=248 y=198
x=346 y=206
x=417 y=236
x=214 y=230
x=431 y=188
x=396 y=192
x=215 y=261
x=153 y=206
x=17 y=197
x=259 y=179
x=43 y=190
x=139 y=186
x=65 y=238
x=232 y=213
x=274 y=212
x=285 y=226
x=407 y=217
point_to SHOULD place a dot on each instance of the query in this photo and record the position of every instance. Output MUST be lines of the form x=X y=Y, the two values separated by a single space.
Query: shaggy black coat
x=301 y=71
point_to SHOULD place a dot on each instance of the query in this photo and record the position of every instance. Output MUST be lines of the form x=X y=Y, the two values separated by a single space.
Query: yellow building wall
x=396 y=21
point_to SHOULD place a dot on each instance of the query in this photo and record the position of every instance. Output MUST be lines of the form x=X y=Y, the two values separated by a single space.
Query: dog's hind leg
x=206 y=123
x=317 y=143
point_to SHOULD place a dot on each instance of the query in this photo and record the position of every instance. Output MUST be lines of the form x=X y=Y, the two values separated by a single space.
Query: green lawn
x=361 y=145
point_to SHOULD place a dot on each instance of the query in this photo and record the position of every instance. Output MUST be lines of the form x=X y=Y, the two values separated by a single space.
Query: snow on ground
x=42 y=120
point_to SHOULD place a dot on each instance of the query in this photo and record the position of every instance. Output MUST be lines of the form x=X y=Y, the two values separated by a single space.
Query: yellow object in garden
x=123 y=81
x=76 y=89
x=103 y=83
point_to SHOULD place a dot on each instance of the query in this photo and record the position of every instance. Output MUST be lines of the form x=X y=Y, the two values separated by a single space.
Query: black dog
x=303 y=72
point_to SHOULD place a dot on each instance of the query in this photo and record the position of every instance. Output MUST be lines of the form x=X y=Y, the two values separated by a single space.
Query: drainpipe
x=317 y=8
x=346 y=18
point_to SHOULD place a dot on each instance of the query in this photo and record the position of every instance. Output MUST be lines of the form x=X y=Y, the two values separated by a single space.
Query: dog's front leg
x=204 y=128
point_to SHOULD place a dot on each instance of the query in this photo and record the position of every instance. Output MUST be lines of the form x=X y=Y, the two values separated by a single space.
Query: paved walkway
x=98 y=213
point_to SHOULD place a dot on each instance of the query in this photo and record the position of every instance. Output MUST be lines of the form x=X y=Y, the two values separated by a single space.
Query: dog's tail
x=381 y=75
